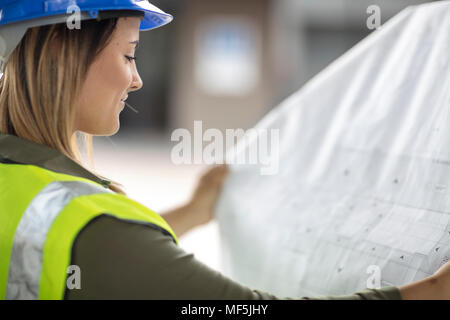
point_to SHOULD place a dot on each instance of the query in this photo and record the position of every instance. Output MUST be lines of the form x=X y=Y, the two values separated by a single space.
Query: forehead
x=128 y=27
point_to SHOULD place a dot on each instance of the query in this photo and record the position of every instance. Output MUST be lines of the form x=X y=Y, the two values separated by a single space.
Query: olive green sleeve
x=120 y=259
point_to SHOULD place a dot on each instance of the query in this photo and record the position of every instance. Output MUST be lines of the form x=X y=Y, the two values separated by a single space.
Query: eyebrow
x=136 y=42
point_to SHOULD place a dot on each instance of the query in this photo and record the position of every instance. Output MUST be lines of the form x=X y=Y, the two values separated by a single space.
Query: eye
x=129 y=58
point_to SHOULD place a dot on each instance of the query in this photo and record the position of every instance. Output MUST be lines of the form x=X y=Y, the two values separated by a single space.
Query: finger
x=216 y=171
x=223 y=169
x=214 y=175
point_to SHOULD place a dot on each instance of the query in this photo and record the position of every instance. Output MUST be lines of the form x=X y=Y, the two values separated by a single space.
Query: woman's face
x=109 y=80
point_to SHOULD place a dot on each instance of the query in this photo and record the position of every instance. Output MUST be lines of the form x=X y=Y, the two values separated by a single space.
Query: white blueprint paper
x=364 y=171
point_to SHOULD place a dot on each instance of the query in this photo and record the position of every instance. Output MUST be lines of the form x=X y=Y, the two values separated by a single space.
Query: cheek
x=114 y=78
x=118 y=74
x=107 y=82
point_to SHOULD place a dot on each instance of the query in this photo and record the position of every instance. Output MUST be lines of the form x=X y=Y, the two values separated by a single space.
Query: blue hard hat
x=16 y=16
x=22 y=10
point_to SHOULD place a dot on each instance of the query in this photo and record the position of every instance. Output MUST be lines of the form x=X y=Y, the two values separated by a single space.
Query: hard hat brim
x=153 y=16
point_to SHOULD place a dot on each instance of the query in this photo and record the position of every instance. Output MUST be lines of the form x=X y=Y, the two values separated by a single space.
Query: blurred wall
x=223 y=64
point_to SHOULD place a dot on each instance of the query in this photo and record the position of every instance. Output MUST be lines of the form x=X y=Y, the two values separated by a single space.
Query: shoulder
x=116 y=256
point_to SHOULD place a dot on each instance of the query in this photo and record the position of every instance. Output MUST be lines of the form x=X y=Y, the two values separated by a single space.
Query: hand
x=207 y=192
x=442 y=277
x=435 y=287
x=199 y=210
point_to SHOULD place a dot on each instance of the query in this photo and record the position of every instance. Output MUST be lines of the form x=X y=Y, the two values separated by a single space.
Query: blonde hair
x=42 y=80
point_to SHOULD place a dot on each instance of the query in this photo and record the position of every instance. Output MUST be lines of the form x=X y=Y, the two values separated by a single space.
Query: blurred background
x=226 y=63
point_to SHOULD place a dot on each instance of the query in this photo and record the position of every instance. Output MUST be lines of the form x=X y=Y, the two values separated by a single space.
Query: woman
x=57 y=215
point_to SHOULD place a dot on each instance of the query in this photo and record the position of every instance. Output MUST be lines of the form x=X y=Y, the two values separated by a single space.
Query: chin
x=111 y=132
x=104 y=132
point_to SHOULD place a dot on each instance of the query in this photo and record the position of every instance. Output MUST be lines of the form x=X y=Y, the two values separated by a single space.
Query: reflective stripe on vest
x=36 y=241
x=26 y=256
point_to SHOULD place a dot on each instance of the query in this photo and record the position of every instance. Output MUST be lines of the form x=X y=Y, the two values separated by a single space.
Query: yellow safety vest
x=41 y=213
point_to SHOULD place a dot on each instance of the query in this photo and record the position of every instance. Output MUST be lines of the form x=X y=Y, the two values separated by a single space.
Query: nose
x=136 y=83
